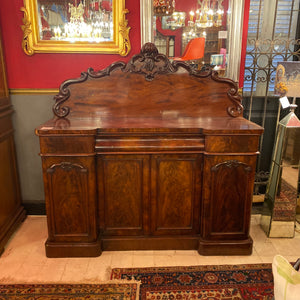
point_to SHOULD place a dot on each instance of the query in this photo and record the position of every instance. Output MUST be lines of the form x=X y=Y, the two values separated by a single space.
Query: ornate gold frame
x=33 y=44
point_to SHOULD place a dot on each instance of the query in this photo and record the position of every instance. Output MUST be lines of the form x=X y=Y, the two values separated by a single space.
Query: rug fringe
x=9 y=281
x=109 y=282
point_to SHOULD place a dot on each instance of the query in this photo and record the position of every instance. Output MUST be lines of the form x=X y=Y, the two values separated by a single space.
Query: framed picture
x=66 y=26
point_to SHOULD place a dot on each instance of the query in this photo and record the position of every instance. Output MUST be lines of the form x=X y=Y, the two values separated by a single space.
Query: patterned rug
x=285 y=203
x=107 y=291
x=202 y=282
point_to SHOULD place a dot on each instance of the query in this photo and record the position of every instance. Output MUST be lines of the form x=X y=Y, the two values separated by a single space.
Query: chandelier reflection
x=80 y=20
x=209 y=14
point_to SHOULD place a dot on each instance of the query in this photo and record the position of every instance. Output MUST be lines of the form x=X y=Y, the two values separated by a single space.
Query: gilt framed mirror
x=66 y=26
x=171 y=24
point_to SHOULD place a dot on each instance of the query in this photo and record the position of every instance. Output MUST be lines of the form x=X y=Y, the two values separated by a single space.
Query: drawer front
x=67 y=144
x=149 y=143
x=232 y=143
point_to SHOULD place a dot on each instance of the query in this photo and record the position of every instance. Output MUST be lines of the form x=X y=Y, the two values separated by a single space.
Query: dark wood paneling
x=64 y=145
x=174 y=161
x=176 y=186
x=60 y=177
x=124 y=194
x=11 y=210
x=70 y=191
x=231 y=143
x=227 y=194
x=9 y=191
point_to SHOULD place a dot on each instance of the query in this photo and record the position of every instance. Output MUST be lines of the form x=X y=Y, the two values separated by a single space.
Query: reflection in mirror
x=181 y=26
x=170 y=39
x=65 y=26
x=75 y=20
x=282 y=194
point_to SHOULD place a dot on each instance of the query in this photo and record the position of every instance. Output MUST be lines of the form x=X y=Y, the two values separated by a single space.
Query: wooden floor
x=24 y=259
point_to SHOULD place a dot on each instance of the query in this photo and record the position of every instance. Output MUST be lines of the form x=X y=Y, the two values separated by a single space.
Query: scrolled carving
x=150 y=63
x=64 y=91
x=232 y=164
x=233 y=94
x=27 y=31
x=106 y=72
x=67 y=166
x=64 y=94
x=124 y=31
x=204 y=72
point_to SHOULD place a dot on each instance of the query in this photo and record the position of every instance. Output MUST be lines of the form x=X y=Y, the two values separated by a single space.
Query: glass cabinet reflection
x=178 y=23
x=282 y=194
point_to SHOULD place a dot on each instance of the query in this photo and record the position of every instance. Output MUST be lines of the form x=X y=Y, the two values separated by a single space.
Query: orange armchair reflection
x=194 y=50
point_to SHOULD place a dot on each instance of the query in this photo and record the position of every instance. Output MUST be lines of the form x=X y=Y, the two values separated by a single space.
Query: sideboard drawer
x=231 y=143
x=67 y=144
x=149 y=143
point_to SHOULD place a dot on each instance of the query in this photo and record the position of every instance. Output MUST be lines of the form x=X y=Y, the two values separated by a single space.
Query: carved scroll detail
x=64 y=91
x=106 y=72
x=231 y=164
x=64 y=94
x=148 y=63
x=124 y=31
x=233 y=94
x=67 y=166
x=27 y=31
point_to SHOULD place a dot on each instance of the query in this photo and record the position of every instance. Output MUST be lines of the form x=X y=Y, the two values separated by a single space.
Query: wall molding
x=33 y=91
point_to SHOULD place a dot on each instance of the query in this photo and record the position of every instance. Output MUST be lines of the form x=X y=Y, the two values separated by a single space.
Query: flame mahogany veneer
x=148 y=155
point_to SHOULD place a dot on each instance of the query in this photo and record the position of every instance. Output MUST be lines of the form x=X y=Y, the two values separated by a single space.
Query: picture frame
x=75 y=26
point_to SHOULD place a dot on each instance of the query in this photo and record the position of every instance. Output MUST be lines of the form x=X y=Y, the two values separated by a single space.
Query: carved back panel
x=148 y=86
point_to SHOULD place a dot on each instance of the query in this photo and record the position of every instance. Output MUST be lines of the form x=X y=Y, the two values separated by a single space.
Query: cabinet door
x=227 y=196
x=70 y=190
x=11 y=210
x=123 y=193
x=175 y=194
x=9 y=185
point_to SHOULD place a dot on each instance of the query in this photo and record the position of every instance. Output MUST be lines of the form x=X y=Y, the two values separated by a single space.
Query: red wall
x=44 y=70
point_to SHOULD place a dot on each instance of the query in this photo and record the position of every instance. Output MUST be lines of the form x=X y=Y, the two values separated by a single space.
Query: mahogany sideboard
x=151 y=154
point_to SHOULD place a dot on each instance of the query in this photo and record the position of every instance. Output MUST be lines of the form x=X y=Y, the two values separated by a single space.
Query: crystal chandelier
x=98 y=26
x=209 y=14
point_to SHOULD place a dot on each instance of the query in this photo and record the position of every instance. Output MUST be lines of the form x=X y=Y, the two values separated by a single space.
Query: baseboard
x=35 y=207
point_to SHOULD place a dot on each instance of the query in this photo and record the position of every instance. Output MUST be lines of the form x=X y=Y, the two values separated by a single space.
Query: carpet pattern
x=253 y=281
x=285 y=203
x=107 y=291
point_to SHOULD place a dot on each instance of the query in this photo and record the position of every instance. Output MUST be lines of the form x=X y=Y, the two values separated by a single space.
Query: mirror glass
x=283 y=189
x=76 y=20
x=171 y=24
x=195 y=31
x=57 y=26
